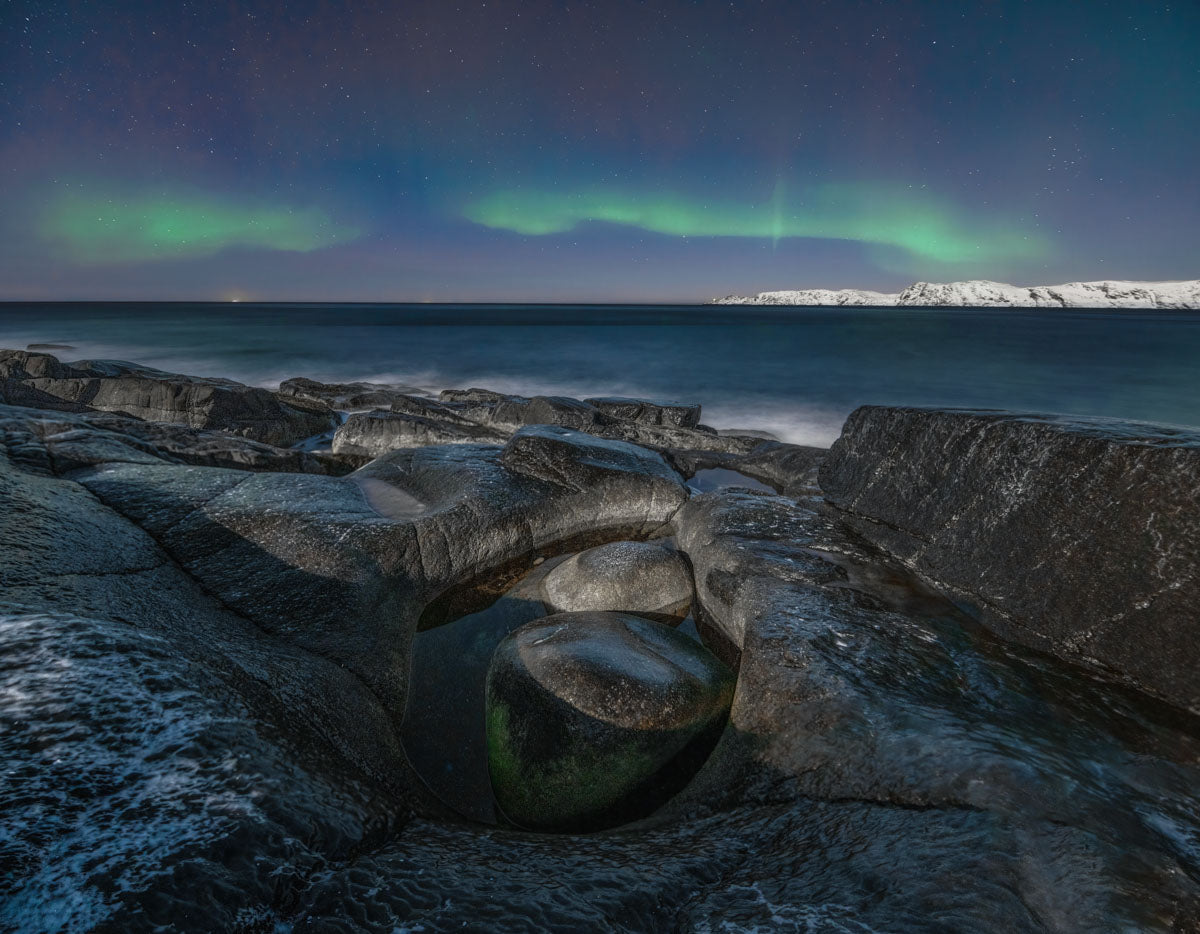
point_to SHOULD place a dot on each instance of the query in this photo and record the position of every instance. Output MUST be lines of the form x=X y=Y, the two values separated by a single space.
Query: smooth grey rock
x=675 y=414
x=660 y=426
x=425 y=407
x=145 y=727
x=344 y=396
x=341 y=569
x=790 y=469
x=856 y=682
x=594 y=718
x=1073 y=535
x=546 y=410
x=632 y=577
x=373 y=433
x=67 y=442
x=41 y=380
x=475 y=395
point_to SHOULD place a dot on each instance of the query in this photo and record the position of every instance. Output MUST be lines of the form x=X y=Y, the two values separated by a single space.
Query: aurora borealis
x=591 y=151
x=863 y=215
x=132 y=227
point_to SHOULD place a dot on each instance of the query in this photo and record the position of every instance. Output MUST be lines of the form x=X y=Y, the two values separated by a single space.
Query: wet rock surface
x=465 y=415
x=595 y=719
x=68 y=441
x=351 y=396
x=1078 y=536
x=676 y=414
x=41 y=380
x=205 y=649
x=634 y=577
x=375 y=433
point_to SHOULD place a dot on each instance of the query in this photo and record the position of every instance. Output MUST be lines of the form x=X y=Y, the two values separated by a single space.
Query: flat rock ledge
x=43 y=381
x=1078 y=536
x=463 y=416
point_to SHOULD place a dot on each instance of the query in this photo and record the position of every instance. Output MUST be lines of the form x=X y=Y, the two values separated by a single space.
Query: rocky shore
x=939 y=677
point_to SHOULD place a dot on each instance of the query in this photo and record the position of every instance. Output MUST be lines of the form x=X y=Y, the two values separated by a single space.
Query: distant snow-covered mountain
x=983 y=293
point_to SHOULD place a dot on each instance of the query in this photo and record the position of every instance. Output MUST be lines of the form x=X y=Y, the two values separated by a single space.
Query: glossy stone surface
x=1079 y=536
x=596 y=718
x=633 y=577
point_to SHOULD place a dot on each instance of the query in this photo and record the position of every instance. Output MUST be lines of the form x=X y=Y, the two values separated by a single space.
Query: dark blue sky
x=591 y=151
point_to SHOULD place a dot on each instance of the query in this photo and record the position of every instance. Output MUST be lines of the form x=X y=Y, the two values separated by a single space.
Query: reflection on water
x=443 y=729
x=720 y=478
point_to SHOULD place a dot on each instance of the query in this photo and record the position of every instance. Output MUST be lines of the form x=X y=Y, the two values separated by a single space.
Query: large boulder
x=857 y=683
x=41 y=381
x=594 y=718
x=634 y=577
x=1078 y=536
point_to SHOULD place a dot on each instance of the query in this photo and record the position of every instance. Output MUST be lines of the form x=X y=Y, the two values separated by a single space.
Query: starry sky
x=591 y=151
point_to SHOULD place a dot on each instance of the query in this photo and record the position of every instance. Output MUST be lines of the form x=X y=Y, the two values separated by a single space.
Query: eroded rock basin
x=444 y=729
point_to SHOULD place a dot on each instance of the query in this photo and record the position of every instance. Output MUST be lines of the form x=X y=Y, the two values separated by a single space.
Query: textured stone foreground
x=1077 y=536
x=205 y=646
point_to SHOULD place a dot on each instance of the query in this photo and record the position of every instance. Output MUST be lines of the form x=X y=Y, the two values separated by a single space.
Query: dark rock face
x=675 y=414
x=1076 y=536
x=595 y=718
x=632 y=577
x=464 y=415
x=42 y=381
x=546 y=410
x=358 y=395
x=70 y=441
x=148 y=733
x=856 y=684
x=790 y=469
x=374 y=433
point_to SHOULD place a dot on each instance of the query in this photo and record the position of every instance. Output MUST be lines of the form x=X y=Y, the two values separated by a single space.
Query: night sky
x=605 y=151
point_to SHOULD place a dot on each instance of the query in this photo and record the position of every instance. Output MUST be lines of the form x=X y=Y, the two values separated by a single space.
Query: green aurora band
x=869 y=214
x=114 y=229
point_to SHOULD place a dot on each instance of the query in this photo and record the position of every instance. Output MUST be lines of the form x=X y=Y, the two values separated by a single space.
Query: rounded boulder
x=595 y=719
x=630 y=577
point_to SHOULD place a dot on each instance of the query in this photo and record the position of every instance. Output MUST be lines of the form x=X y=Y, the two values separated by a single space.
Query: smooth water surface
x=794 y=371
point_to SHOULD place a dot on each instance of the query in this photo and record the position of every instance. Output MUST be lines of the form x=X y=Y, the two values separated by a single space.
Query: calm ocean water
x=794 y=371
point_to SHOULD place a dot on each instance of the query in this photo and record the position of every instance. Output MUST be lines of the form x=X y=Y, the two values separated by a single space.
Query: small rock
x=596 y=719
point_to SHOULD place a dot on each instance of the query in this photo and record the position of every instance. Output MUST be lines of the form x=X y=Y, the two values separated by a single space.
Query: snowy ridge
x=1109 y=293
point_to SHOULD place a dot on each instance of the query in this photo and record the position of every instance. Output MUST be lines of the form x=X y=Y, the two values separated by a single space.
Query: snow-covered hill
x=982 y=293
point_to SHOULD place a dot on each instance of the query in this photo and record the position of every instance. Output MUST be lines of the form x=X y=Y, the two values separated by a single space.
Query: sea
x=794 y=372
